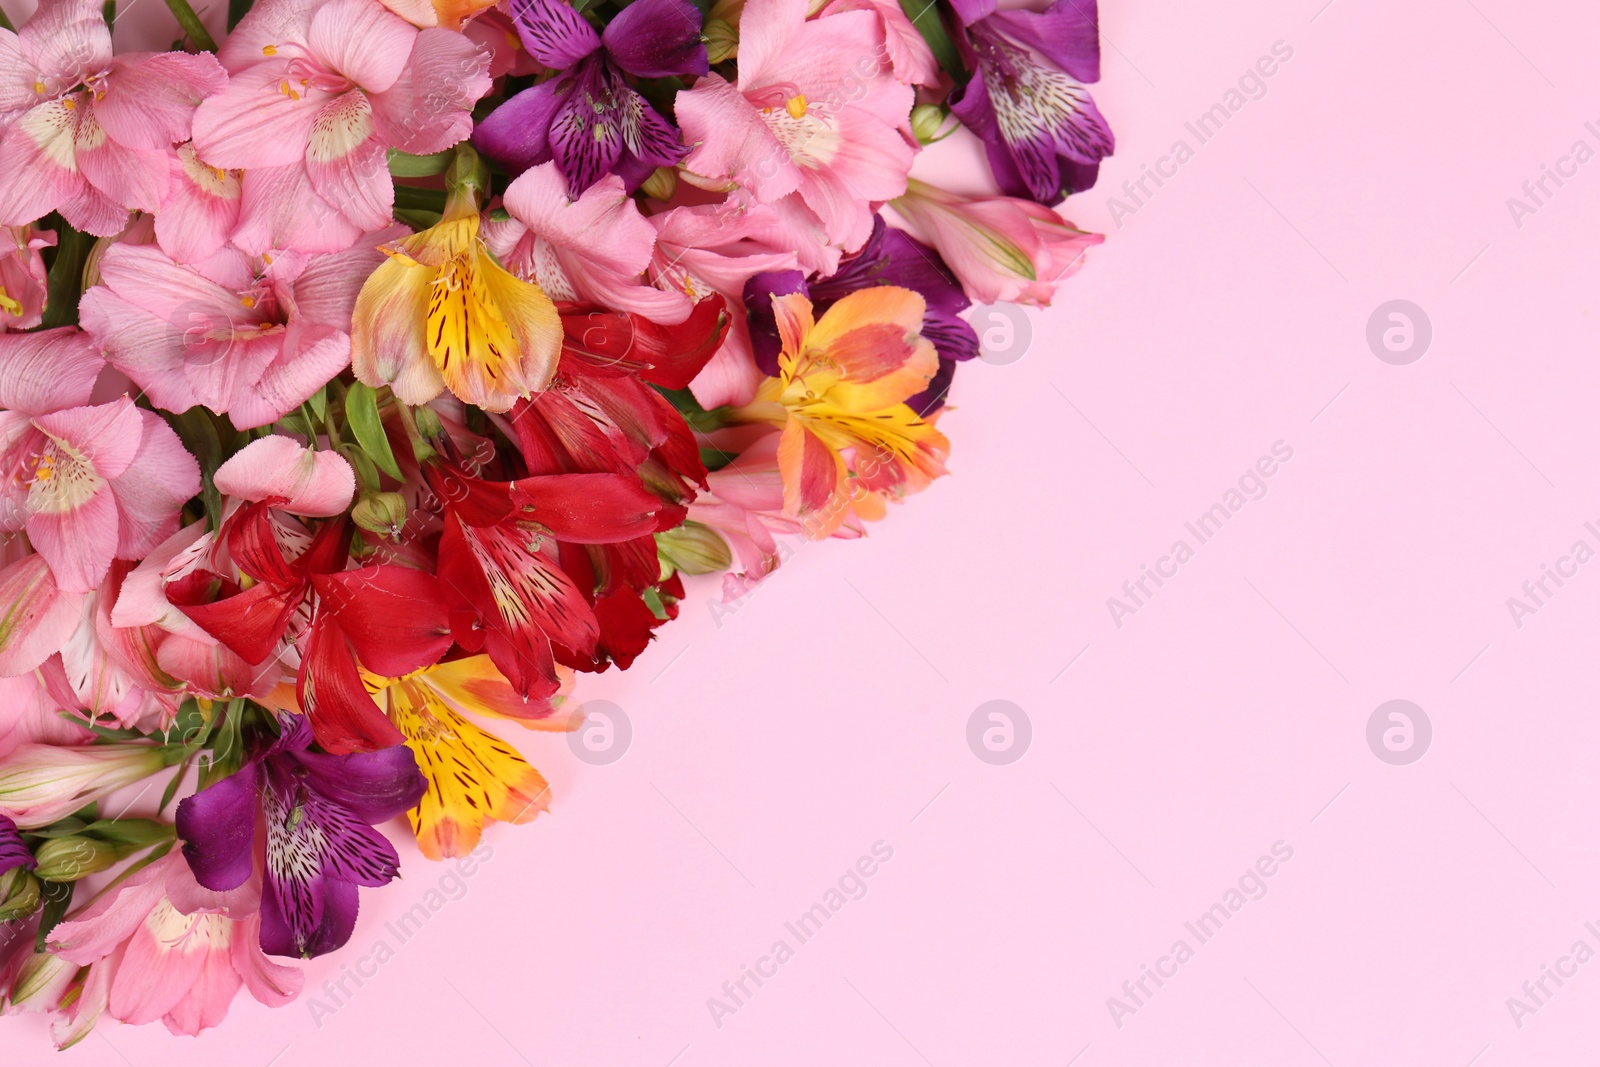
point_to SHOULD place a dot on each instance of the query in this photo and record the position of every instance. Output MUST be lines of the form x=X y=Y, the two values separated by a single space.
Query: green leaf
x=198 y=431
x=361 y=416
x=193 y=28
x=406 y=165
x=65 y=284
x=924 y=15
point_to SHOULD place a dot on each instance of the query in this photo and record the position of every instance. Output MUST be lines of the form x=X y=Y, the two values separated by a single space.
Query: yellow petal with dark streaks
x=473 y=776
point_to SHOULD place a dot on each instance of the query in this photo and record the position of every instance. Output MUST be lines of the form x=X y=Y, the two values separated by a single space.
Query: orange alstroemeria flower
x=848 y=439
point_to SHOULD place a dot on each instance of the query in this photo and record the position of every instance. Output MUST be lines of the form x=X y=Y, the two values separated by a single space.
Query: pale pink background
x=1227 y=314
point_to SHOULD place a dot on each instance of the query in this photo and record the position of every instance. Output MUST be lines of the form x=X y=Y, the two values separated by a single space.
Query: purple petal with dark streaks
x=1067 y=33
x=553 y=33
x=374 y=786
x=584 y=136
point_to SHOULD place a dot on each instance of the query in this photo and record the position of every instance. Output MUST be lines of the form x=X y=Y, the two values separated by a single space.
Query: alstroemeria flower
x=318 y=94
x=249 y=337
x=89 y=483
x=176 y=951
x=319 y=812
x=85 y=132
x=590 y=249
x=109 y=672
x=603 y=416
x=441 y=314
x=22 y=276
x=1044 y=136
x=474 y=777
x=391 y=617
x=814 y=114
x=1002 y=248
x=890 y=257
x=716 y=248
x=849 y=439
x=498 y=560
x=589 y=120
x=41 y=784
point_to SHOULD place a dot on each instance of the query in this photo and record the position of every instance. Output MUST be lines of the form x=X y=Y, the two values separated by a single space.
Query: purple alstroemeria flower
x=890 y=257
x=13 y=853
x=588 y=118
x=1026 y=100
x=319 y=812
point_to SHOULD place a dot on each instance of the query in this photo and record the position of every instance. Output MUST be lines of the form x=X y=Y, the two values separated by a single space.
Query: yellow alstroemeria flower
x=473 y=776
x=849 y=440
x=440 y=313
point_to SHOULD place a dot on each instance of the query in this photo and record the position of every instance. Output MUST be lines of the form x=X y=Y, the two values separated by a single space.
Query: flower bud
x=722 y=40
x=694 y=549
x=381 y=513
x=41 y=784
x=67 y=859
x=661 y=184
x=19 y=894
x=428 y=424
x=926 y=121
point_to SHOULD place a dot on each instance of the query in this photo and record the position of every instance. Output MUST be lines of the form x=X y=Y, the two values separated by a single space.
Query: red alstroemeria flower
x=389 y=618
x=504 y=583
x=601 y=414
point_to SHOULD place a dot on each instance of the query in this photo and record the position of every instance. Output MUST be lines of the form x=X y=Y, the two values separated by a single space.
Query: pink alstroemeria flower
x=176 y=951
x=592 y=249
x=999 y=247
x=88 y=483
x=248 y=337
x=85 y=132
x=817 y=113
x=22 y=276
x=715 y=248
x=319 y=91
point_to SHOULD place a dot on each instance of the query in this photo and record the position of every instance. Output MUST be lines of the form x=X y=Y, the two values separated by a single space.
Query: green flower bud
x=66 y=859
x=722 y=40
x=19 y=894
x=428 y=424
x=694 y=549
x=661 y=184
x=381 y=513
x=926 y=121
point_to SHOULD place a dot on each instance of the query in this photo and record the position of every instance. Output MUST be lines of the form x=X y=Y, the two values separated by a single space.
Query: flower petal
x=317 y=483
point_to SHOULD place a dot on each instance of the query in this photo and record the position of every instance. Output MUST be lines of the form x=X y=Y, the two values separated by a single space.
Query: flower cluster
x=371 y=375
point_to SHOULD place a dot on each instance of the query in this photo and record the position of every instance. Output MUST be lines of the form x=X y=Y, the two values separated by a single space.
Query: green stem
x=66 y=276
x=193 y=28
x=409 y=196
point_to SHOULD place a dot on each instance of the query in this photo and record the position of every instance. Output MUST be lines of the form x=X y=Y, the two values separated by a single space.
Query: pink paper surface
x=778 y=742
